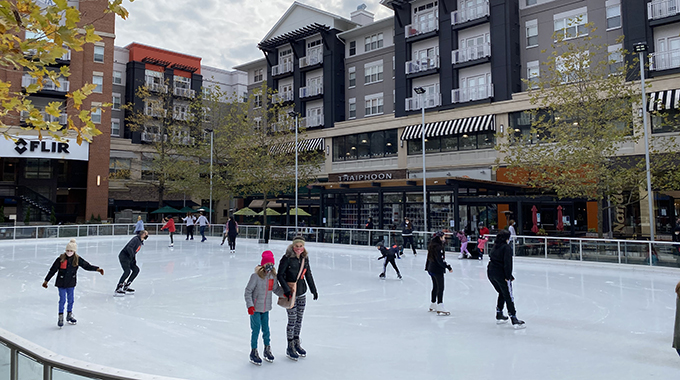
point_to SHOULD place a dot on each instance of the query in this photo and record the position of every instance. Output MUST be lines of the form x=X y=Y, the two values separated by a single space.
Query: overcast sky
x=225 y=33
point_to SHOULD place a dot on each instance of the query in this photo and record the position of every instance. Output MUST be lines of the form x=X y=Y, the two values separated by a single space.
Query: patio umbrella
x=270 y=212
x=204 y=209
x=560 y=222
x=246 y=211
x=300 y=212
x=534 y=219
x=166 y=210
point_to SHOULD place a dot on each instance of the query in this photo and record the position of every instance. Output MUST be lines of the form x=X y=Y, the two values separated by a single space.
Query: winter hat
x=72 y=246
x=299 y=239
x=267 y=258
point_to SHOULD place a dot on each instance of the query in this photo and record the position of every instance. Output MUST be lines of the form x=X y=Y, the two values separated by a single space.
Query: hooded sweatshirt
x=259 y=290
x=289 y=267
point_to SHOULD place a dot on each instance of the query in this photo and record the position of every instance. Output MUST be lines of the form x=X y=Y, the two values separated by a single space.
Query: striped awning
x=308 y=145
x=451 y=127
x=664 y=100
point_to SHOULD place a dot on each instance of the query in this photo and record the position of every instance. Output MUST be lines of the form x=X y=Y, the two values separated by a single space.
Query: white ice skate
x=460 y=256
x=441 y=310
x=433 y=307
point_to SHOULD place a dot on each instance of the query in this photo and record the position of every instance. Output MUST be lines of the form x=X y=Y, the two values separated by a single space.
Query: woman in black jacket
x=290 y=272
x=436 y=267
x=499 y=272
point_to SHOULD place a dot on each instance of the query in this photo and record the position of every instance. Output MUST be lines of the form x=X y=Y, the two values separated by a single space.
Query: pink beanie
x=267 y=257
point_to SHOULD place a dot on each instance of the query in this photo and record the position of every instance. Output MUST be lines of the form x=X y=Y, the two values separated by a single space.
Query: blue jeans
x=259 y=321
x=202 y=229
x=65 y=293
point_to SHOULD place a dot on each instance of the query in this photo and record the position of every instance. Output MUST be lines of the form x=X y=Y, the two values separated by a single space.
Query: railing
x=184 y=92
x=470 y=13
x=418 y=65
x=431 y=100
x=283 y=68
x=306 y=92
x=347 y=236
x=286 y=96
x=155 y=112
x=664 y=60
x=469 y=94
x=61 y=119
x=48 y=85
x=418 y=29
x=157 y=87
x=471 y=53
x=312 y=59
x=662 y=8
x=312 y=121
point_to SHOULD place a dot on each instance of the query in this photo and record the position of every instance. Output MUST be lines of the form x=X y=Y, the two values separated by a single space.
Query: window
x=377 y=144
x=352 y=75
x=182 y=82
x=614 y=16
x=257 y=103
x=373 y=42
x=99 y=54
x=96 y=113
x=120 y=167
x=571 y=26
x=374 y=104
x=615 y=58
x=115 y=127
x=181 y=111
x=573 y=69
x=153 y=78
x=531 y=2
x=533 y=74
x=148 y=174
x=117 y=77
x=116 y=101
x=666 y=121
x=38 y=168
x=258 y=75
x=451 y=143
x=257 y=121
x=352 y=48
x=352 y=108
x=98 y=80
x=532 y=33
x=373 y=72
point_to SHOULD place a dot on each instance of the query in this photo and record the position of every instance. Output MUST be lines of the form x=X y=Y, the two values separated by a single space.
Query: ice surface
x=188 y=318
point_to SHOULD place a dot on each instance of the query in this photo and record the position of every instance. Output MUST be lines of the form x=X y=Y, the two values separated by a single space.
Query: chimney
x=361 y=16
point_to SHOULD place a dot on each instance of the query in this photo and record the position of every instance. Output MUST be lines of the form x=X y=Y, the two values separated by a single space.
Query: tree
x=50 y=28
x=585 y=99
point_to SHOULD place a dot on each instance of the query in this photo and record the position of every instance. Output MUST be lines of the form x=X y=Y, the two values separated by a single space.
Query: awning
x=257 y=203
x=451 y=127
x=307 y=145
x=664 y=100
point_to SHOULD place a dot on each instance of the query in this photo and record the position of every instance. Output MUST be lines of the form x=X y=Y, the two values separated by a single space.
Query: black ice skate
x=255 y=357
x=267 y=354
x=500 y=318
x=128 y=289
x=517 y=323
x=70 y=319
x=60 y=321
x=291 y=352
x=300 y=351
x=382 y=275
x=119 y=291
x=399 y=276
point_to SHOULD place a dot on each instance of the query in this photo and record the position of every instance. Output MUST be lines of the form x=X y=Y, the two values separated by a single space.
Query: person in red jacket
x=170 y=226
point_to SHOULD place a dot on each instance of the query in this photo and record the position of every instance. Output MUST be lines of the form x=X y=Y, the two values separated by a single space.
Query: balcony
x=284 y=68
x=182 y=116
x=430 y=100
x=471 y=53
x=155 y=112
x=65 y=57
x=467 y=14
x=420 y=65
x=418 y=29
x=311 y=59
x=470 y=94
x=312 y=121
x=306 y=92
x=48 y=85
x=282 y=97
x=662 y=8
x=157 y=87
x=61 y=119
x=664 y=60
x=184 y=92
x=153 y=137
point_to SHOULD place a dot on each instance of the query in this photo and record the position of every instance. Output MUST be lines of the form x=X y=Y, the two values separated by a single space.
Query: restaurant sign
x=368 y=176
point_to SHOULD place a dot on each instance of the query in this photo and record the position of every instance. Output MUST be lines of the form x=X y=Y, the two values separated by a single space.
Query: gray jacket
x=259 y=289
x=676 y=332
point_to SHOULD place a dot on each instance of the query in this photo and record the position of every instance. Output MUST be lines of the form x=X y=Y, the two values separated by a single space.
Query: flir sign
x=32 y=147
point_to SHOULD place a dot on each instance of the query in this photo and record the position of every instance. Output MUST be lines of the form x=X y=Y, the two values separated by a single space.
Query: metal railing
x=284 y=96
x=664 y=60
x=311 y=59
x=62 y=84
x=423 y=64
x=431 y=100
x=311 y=91
x=470 y=13
x=662 y=8
x=469 y=94
x=471 y=53
x=283 y=68
x=422 y=28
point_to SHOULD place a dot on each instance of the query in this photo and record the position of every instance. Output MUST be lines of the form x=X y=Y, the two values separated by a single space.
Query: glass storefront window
x=666 y=121
x=468 y=142
x=38 y=168
x=351 y=147
x=432 y=144
x=485 y=140
x=376 y=144
x=481 y=140
x=449 y=143
x=363 y=146
x=338 y=149
x=390 y=140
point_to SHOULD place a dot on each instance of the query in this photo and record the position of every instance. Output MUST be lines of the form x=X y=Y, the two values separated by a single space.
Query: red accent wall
x=138 y=52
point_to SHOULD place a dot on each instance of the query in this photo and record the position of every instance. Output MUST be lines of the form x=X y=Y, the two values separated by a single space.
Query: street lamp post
x=212 y=132
x=421 y=91
x=293 y=114
x=641 y=48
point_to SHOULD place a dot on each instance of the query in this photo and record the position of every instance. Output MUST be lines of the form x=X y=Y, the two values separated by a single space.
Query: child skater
x=499 y=272
x=463 y=244
x=170 y=226
x=481 y=244
x=258 y=296
x=388 y=254
x=67 y=265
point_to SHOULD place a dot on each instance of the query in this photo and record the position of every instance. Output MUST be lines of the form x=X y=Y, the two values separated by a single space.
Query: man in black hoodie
x=128 y=261
x=499 y=272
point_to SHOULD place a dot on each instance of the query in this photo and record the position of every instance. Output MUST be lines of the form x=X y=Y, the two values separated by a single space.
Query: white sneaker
x=433 y=307
x=441 y=310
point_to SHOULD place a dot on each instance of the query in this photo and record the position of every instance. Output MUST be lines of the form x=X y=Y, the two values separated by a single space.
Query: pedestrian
x=258 y=297
x=128 y=261
x=190 y=221
x=481 y=245
x=676 y=332
x=294 y=275
x=499 y=272
x=202 y=224
x=66 y=265
x=483 y=231
x=463 y=244
x=170 y=226
x=230 y=232
x=389 y=255
x=436 y=266
x=139 y=226
x=369 y=223
x=513 y=234
x=407 y=235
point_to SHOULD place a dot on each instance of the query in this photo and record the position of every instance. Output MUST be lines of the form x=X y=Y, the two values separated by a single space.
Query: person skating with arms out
x=190 y=221
x=436 y=267
x=500 y=275
x=128 y=261
x=463 y=244
x=388 y=254
x=66 y=265
x=258 y=295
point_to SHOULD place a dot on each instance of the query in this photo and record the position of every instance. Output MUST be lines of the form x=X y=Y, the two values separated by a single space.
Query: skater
x=170 y=226
x=407 y=235
x=67 y=265
x=676 y=332
x=483 y=230
x=436 y=267
x=481 y=245
x=294 y=271
x=190 y=221
x=202 y=224
x=499 y=272
x=388 y=254
x=128 y=261
x=258 y=297
x=140 y=224
x=230 y=232
x=463 y=244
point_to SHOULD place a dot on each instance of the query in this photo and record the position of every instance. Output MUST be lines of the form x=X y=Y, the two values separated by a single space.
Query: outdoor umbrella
x=560 y=222
x=186 y=209
x=534 y=219
x=300 y=212
x=166 y=210
x=246 y=211
x=270 y=212
x=204 y=209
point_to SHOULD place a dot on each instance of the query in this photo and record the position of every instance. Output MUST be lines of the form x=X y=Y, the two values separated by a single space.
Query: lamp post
x=641 y=48
x=293 y=114
x=421 y=91
x=212 y=132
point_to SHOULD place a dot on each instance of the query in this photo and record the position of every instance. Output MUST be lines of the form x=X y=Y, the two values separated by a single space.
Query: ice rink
x=188 y=318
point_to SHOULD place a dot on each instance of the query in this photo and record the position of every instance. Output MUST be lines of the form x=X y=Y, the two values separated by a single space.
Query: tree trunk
x=265 y=237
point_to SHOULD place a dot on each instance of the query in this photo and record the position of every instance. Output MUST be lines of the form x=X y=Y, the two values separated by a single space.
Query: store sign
x=32 y=147
x=368 y=176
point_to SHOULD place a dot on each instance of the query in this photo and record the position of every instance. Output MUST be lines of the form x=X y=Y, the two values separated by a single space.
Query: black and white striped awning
x=664 y=100
x=451 y=127
x=308 y=145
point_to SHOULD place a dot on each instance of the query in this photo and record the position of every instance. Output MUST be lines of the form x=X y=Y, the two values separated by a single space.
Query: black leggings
x=437 y=287
x=391 y=261
x=129 y=266
x=504 y=289
x=408 y=242
x=190 y=232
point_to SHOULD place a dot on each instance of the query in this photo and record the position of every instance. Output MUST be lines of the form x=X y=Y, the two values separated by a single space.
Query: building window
x=258 y=75
x=38 y=168
x=373 y=42
x=571 y=26
x=148 y=174
x=443 y=144
x=378 y=144
x=96 y=113
x=374 y=104
x=575 y=70
x=153 y=78
x=352 y=75
x=99 y=54
x=352 y=48
x=666 y=121
x=614 y=16
x=373 y=72
x=257 y=102
x=115 y=127
x=181 y=111
x=120 y=168
x=117 y=100
x=117 y=77
x=182 y=82
x=615 y=58
x=98 y=80
x=531 y=2
x=533 y=74
x=352 y=108
x=532 y=33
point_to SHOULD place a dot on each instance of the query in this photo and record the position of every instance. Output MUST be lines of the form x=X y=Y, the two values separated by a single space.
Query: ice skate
x=255 y=357
x=399 y=276
x=60 y=321
x=171 y=245
x=500 y=318
x=291 y=353
x=517 y=323
x=119 y=291
x=127 y=289
x=433 y=307
x=267 y=354
x=467 y=255
x=460 y=256
x=70 y=319
x=441 y=310
x=382 y=276
x=300 y=351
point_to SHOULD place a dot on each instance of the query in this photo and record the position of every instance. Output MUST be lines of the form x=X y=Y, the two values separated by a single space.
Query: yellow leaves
x=90 y=37
x=79 y=95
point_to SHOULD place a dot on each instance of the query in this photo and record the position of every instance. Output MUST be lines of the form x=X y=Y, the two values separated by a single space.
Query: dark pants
x=437 y=295
x=391 y=261
x=202 y=230
x=504 y=289
x=232 y=241
x=171 y=242
x=408 y=242
x=190 y=232
x=130 y=270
